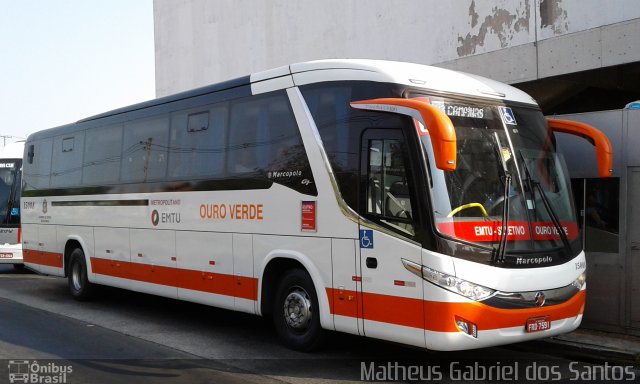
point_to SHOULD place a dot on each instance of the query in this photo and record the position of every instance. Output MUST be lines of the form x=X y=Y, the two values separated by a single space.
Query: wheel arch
x=274 y=265
x=72 y=243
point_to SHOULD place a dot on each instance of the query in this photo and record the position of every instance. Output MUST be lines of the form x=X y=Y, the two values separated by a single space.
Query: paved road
x=140 y=338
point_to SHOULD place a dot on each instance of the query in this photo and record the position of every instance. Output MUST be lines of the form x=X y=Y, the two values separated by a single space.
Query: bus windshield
x=10 y=192
x=505 y=155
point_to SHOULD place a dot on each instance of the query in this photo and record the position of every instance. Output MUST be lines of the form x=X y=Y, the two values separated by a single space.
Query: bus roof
x=414 y=75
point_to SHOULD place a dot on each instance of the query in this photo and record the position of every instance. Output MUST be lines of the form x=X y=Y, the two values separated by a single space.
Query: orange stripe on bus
x=383 y=308
x=393 y=309
x=440 y=316
x=30 y=256
x=218 y=283
x=344 y=303
x=50 y=259
x=409 y=312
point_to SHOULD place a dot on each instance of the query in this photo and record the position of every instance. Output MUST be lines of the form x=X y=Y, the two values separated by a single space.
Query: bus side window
x=196 y=143
x=38 y=165
x=66 y=160
x=264 y=142
x=387 y=189
x=243 y=127
x=144 y=154
x=261 y=131
x=100 y=166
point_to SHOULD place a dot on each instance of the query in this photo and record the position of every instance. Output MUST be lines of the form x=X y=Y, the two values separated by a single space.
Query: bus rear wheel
x=295 y=313
x=79 y=286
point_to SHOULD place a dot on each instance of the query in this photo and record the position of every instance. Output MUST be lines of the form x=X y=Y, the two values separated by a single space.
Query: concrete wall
x=203 y=41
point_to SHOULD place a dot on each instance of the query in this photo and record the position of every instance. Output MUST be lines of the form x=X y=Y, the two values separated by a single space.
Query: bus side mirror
x=604 y=153
x=439 y=126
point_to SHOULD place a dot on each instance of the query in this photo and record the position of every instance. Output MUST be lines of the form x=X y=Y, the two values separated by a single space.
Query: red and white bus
x=10 y=184
x=385 y=199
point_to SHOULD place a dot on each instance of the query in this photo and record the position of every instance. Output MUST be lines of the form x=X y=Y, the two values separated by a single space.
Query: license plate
x=5 y=255
x=538 y=324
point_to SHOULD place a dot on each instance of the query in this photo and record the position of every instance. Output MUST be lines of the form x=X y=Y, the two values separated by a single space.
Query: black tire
x=18 y=267
x=296 y=316
x=79 y=286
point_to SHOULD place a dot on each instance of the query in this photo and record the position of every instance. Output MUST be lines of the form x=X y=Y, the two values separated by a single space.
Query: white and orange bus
x=390 y=200
x=10 y=183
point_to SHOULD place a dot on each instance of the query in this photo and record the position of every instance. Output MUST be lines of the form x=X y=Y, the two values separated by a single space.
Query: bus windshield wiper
x=554 y=218
x=499 y=253
x=545 y=200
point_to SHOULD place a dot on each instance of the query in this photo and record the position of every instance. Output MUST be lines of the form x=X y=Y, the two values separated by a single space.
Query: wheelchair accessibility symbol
x=366 y=238
x=507 y=116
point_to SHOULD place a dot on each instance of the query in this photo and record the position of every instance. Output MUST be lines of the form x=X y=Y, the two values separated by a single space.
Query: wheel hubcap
x=76 y=276
x=297 y=309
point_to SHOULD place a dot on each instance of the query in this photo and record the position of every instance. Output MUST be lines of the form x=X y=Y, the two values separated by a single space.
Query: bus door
x=391 y=296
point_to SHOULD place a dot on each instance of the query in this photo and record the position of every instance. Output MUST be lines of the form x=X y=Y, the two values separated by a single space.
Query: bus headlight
x=580 y=281
x=462 y=287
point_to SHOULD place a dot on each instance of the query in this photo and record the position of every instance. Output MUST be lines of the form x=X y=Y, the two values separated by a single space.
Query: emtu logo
x=44 y=206
x=155 y=217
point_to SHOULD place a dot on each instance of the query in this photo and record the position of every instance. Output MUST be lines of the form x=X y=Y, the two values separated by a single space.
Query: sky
x=64 y=60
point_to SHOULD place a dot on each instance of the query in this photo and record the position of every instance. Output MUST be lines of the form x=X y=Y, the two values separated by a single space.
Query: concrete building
x=556 y=50
x=572 y=56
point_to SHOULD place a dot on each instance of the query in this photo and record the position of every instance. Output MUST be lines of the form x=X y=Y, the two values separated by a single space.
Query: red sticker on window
x=308 y=213
x=422 y=130
x=490 y=231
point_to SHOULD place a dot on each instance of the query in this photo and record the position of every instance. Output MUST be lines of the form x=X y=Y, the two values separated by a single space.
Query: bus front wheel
x=295 y=312
x=79 y=286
